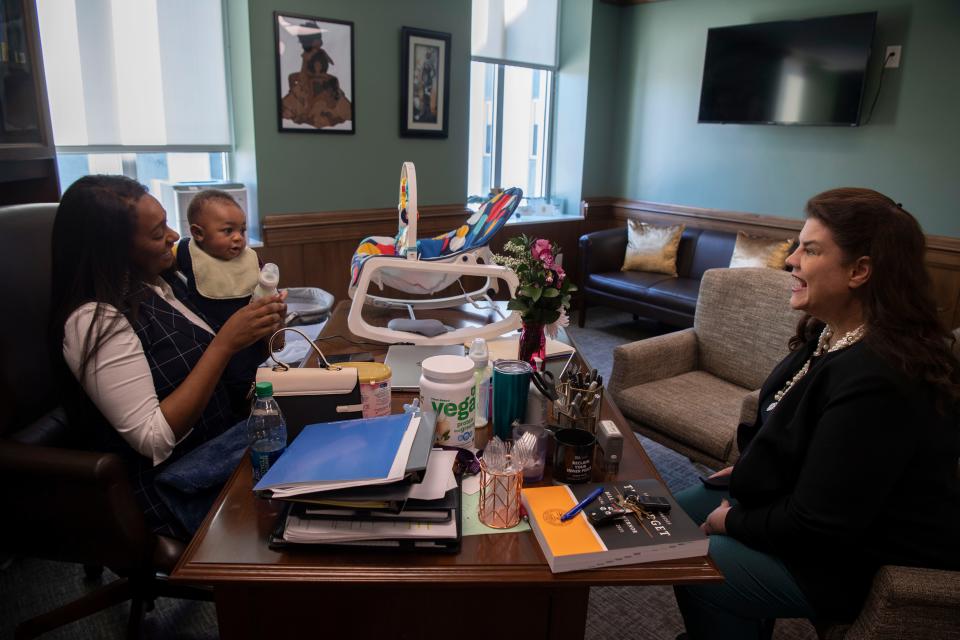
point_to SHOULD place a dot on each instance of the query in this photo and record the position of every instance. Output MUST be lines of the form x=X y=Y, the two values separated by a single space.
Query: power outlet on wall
x=892 y=57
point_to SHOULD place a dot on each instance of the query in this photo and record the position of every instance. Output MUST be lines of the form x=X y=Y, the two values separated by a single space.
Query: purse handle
x=283 y=366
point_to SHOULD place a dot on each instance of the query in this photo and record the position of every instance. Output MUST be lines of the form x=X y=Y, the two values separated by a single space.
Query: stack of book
x=576 y=543
x=366 y=482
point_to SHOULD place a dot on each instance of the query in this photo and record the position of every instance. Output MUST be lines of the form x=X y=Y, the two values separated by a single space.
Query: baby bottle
x=266 y=287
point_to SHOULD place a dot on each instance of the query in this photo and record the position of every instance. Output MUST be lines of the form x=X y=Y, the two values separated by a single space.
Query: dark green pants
x=757 y=587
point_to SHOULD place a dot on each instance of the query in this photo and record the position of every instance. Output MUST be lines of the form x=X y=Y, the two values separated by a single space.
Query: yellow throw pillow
x=652 y=248
x=757 y=251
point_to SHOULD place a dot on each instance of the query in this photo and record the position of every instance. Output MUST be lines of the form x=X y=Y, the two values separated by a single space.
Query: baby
x=221 y=272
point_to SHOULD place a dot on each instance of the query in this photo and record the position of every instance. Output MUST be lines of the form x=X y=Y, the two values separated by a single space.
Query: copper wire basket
x=499 y=497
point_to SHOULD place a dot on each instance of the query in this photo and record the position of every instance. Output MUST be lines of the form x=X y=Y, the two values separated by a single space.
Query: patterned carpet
x=29 y=587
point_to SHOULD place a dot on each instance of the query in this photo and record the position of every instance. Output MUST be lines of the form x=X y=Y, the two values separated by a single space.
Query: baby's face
x=221 y=230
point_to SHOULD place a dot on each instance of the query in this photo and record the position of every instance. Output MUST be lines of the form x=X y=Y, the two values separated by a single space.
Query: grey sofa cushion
x=743 y=322
x=693 y=408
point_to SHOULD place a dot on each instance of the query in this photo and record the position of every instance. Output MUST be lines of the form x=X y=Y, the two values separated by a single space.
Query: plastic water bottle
x=266 y=287
x=266 y=430
x=481 y=360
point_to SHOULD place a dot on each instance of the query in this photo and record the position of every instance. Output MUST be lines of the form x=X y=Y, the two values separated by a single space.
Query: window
x=137 y=87
x=511 y=83
x=150 y=169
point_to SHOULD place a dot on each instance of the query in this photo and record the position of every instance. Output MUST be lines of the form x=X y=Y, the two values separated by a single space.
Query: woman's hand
x=723 y=473
x=716 y=522
x=253 y=322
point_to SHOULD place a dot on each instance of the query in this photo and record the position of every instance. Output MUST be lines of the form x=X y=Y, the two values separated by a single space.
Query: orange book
x=576 y=544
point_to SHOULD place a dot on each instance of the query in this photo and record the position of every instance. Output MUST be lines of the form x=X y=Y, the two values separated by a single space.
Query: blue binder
x=336 y=452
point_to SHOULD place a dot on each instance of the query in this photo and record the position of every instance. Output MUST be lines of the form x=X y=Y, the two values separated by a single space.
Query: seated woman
x=852 y=461
x=139 y=369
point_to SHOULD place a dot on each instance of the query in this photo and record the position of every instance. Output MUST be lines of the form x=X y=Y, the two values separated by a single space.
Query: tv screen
x=790 y=72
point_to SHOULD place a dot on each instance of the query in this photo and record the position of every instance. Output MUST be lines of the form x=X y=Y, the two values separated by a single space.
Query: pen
x=583 y=503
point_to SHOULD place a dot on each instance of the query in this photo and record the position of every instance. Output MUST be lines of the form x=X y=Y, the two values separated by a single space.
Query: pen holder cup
x=578 y=408
x=499 y=497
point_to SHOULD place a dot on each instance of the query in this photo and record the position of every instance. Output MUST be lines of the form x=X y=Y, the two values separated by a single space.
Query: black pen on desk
x=580 y=505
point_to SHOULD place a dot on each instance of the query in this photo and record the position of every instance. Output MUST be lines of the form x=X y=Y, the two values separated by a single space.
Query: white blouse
x=118 y=378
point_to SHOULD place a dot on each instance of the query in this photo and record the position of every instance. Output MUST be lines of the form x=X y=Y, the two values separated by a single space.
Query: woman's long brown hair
x=898 y=306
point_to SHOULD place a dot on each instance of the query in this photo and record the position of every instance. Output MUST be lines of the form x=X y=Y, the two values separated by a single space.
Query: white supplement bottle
x=447 y=389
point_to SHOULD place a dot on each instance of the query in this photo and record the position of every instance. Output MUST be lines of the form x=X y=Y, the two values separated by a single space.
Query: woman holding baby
x=138 y=365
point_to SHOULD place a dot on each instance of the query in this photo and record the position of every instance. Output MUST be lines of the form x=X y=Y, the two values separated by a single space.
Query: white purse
x=313 y=394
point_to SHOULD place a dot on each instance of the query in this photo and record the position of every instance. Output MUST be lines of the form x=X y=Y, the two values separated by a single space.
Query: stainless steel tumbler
x=511 y=384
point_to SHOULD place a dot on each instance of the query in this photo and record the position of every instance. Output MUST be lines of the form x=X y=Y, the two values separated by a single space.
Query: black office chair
x=59 y=502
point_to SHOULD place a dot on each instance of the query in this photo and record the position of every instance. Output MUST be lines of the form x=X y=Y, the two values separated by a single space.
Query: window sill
x=541 y=219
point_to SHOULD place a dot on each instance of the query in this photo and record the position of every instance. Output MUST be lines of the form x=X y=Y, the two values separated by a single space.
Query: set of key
x=643 y=506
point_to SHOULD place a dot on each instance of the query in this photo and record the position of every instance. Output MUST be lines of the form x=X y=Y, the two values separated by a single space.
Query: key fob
x=606 y=514
x=653 y=504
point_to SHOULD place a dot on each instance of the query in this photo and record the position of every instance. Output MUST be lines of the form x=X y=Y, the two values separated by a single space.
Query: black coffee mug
x=573 y=457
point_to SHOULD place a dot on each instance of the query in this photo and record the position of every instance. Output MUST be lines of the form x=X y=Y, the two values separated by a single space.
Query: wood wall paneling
x=942 y=258
x=314 y=249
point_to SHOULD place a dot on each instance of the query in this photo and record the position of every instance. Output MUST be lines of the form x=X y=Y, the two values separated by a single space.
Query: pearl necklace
x=845 y=341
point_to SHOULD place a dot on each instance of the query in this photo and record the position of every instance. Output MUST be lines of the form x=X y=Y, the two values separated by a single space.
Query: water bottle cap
x=264 y=389
x=479 y=353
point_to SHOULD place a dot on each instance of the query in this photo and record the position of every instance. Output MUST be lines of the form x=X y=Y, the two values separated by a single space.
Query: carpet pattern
x=29 y=587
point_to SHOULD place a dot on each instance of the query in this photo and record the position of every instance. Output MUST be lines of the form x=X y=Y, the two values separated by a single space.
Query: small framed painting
x=424 y=83
x=314 y=74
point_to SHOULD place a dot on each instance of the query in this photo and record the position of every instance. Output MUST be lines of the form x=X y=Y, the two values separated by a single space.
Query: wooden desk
x=379 y=594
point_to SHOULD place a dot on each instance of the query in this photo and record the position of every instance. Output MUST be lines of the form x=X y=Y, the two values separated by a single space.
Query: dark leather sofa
x=652 y=295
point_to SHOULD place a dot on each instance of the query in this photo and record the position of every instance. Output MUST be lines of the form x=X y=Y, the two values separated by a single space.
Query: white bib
x=224 y=279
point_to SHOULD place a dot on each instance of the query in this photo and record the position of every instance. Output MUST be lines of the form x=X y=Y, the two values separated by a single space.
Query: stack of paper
x=366 y=481
x=428 y=513
x=507 y=348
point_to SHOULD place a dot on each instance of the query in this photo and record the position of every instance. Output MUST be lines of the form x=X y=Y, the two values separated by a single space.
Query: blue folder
x=344 y=451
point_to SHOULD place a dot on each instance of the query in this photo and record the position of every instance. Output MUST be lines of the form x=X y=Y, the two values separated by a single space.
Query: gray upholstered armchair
x=690 y=389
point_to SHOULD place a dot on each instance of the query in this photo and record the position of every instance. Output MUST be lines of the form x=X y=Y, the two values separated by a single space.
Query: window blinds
x=135 y=75
x=516 y=32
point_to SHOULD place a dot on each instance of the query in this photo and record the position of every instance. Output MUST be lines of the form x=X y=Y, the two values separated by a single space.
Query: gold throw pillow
x=757 y=251
x=652 y=248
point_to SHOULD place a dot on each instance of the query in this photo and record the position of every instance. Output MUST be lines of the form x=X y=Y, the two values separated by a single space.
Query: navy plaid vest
x=173 y=346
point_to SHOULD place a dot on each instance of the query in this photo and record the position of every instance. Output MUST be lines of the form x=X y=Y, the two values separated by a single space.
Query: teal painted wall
x=307 y=172
x=570 y=113
x=601 y=138
x=909 y=150
x=243 y=160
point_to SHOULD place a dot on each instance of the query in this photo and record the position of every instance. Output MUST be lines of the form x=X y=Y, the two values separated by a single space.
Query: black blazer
x=853 y=469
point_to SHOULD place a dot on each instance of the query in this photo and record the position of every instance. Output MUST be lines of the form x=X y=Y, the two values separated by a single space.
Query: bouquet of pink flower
x=544 y=294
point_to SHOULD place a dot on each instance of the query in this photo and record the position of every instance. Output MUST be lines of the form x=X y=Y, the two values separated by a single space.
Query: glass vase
x=533 y=343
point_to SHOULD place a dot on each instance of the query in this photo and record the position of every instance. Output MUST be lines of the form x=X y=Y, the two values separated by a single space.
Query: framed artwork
x=315 y=87
x=424 y=83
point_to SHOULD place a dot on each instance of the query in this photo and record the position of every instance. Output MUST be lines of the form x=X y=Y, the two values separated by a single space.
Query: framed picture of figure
x=424 y=83
x=315 y=86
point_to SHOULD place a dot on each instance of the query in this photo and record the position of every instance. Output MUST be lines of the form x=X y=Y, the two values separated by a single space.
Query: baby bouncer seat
x=428 y=266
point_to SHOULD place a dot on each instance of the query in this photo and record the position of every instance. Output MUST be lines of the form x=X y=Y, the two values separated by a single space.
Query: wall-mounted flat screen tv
x=790 y=72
